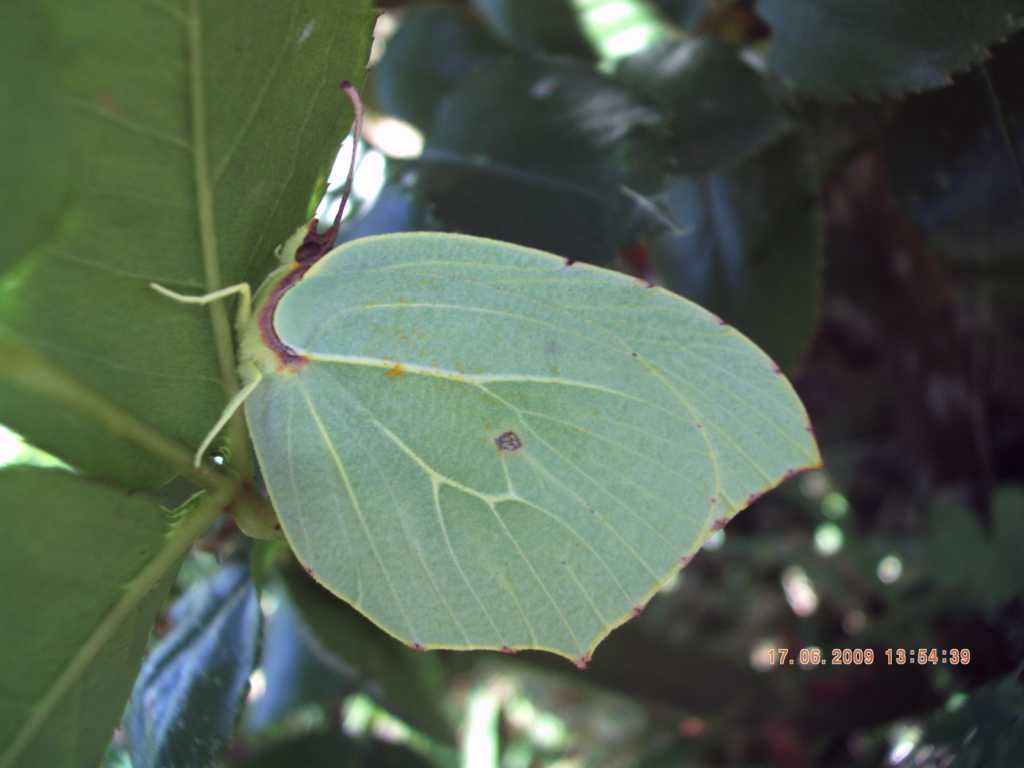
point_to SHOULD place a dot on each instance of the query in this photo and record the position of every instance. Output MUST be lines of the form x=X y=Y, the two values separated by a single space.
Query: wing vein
x=536 y=576
x=455 y=559
x=419 y=553
x=343 y=473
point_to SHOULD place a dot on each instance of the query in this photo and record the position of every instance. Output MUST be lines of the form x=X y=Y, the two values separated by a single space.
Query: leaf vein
x=419 y=552
x=131 y=125
x=257 y=102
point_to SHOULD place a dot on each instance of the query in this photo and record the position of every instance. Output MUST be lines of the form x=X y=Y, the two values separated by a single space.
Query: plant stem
x=241 y=455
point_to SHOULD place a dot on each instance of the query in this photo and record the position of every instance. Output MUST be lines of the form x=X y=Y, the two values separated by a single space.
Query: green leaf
x=298 y=672
x=750 y=248
x=986 y=731
x=837 y=49
x=962 y=555
x=335 y=750
x=959 y=552
x=191 y=128
x=1008 y=537
x=405 y=682
x=35 y=173
x=719 y=108
x=537 y=26
x=961 y=187
x=686 y=13
x=94 y=566
x=186 y=699
x=433 y=49
x=621 y=28
x=549 y=173
x=489 y=448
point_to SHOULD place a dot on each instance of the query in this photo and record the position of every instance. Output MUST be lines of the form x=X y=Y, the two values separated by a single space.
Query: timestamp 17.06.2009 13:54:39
x=808 y=658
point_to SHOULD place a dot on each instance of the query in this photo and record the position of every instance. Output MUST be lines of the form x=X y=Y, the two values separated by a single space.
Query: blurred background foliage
x=842 y=181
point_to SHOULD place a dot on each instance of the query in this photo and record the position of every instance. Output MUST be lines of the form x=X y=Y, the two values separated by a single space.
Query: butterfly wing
x=489 y=448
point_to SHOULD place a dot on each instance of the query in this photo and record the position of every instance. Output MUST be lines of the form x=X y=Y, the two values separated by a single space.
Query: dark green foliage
x=983 y=567
x=837 y=49
x=187 y=696
x=405 y=681
x=717 y=108
x=950 y=154
x=330 y=750
x=397 y=209
x=984 y=731
x=685 y=13
x=549 y=169
x=750 y=248
x=410 y=81
x=536 y=26
x=296 y=668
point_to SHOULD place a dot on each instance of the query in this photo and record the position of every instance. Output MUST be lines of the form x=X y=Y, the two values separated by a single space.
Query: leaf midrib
x=222 y=335
x=204 y=202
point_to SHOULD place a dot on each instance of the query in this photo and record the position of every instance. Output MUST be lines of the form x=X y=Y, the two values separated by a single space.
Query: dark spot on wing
x=508 y=441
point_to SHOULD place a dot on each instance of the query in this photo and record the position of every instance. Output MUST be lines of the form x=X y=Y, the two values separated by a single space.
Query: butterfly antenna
x=316 y=244
x=357 y=135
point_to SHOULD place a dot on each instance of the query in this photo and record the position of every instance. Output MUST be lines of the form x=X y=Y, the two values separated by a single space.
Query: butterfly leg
x=229 y=410
x=244 y=293
x=242 y=289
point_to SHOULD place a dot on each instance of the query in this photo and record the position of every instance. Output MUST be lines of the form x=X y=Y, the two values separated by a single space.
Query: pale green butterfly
x=480 y=445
